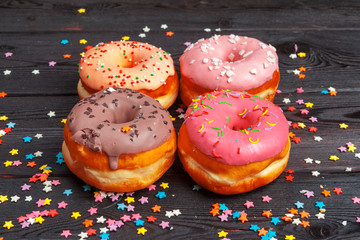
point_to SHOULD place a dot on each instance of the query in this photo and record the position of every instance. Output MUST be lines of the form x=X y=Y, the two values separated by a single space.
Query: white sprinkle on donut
x=248 y=53
x=253 y=71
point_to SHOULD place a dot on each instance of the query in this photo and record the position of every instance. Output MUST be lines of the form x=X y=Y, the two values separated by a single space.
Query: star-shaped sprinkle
x=51 y=114
x=8 y=224
x=81 y=10
x=315 y=173
x=299 y=204
x=286 y=100
x=7 y=72
x=160 y=195
x=319 y=205
x=356 y=200
x=36 y=72
x=164 y=26
x=222 y=234
x=92 y=211
x=266 y=198
x=169 y=34
x=67 y=192
x=351 y=148
x=8 y=54
x=75 y=215
x=52 y=64
x=309 y=194
x=164 y=185
x=66 y=233
x=275 y=220
x=334 y=158
x=142 y=35
x=82 y=41
x=14 y=151
x=343 y=125
x=27 y=139
x=125 y=38
x=141 y=231
x=337 y=190
x=64 y=41
x=301 y=54
x=318 y=138
x=249 y=204
x=143 y=200
x=146 y=29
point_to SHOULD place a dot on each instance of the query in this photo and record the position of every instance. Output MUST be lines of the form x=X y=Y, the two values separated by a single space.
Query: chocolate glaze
x=98 y=122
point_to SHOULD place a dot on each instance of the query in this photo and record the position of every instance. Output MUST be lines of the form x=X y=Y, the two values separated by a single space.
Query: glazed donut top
x=125 y=64
x=229 y=62
x=119 y=121
x=236 y=128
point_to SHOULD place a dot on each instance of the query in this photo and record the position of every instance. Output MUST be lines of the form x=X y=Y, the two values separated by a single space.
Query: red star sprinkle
x=91 y=231
x=289 y=178
x=169 y=34
x=291 y=109
x=88 y=48
x=151 y=219
x=337 y=190
x=295 y=125
x=296 y=139
x=312 y=129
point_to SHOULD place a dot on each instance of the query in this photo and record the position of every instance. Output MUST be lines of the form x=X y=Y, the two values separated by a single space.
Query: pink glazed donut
x=229 y=62
x=233 y=142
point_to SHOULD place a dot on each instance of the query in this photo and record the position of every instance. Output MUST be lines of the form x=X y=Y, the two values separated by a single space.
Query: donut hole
x=125 y=115
x=233 y=57
x=245 y=122
x=127 y=62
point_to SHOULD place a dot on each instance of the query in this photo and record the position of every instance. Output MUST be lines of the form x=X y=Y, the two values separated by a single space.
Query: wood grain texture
x=327 y=31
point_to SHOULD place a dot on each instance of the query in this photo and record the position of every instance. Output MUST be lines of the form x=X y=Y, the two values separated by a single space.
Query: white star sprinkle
x=39 y=135
x=104 y=230
x=164 y=26
x=296 y=71
x=83 y=235
x=317 y=138
x=296 y=221
x=315 y=173
x=331 y=89
x=15 y=198
x=169 y=214
x=142 y=35
x=38 y=154
x=36 y=71
x=100 y=219
x=28 y=199
x=207 y=29
x=293 y=56
x=357 y=155
x=308 y=160
x=176 y=212
x=7 y=72
x=320 y=215
x=286 y=100
x=348 y=169
x=146 y=29
x=51 y=114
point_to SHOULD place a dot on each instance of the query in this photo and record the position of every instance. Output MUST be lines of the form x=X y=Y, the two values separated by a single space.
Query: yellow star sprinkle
x=333 y=158
x=14 y=152
x=47 y=171
x=309 y=105
x=39 y=219
x=222 y=234
x=125 y=38
x=343 y=125
x=141 y=231
x=47 y=201
x=3 y=198
x=75 y=215
x=82 y=10
x=301 y=54
x=289 y=237
x=3 y=118
x=8 y=163
x=64 y=120
x=82 y=54
x=43 y=167
x=82 y=41
x=351 y=148
x=8 y=224
x=164 y=185
x=129 y=200
x=302 y=125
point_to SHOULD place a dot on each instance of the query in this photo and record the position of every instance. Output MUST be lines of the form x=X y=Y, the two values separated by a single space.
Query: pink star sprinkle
x=25 y=187
x=8 y=54
x=55 y=182
x=114 y=197
x=342 y=149
x=52 y=64
x=143 y=200
x=227 y=212
x=62 y=204
x=266 y=198
x=25 y=224
x=130 y=208
x=40 y=202
x=249 y=204
x=110 y=222
x=358 y=219
x=130 y=194
x=223 y=217
x=309 y=194
x=304 y=111
x=299 y=90
x=313 y=119
x=164 y=225
x=300 y=101
x=356 y=200
x=99 y=198
x=136 y=216
x=152 y=187
x=278 y=91
x=349 y=143
x=92 y=211
x=187 y=43
x=126 y=218
x=17 y=163
x=66 y=233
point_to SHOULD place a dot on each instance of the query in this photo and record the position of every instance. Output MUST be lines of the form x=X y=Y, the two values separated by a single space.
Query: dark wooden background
x=327 y=31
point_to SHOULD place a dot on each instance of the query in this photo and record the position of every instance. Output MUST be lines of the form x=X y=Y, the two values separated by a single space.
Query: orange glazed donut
x=229 y=62
x=128 y=64
x=233 y=142
x=119 y=140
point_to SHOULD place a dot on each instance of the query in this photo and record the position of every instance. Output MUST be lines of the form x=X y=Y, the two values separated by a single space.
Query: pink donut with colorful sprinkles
x=233 y=130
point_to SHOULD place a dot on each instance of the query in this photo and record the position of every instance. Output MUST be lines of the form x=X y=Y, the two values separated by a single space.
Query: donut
x=119 y=140
x=233 y=142
x=128 y=64
x=229 y=62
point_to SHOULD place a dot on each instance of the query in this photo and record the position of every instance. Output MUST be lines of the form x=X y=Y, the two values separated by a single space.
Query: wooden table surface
x=37 y=79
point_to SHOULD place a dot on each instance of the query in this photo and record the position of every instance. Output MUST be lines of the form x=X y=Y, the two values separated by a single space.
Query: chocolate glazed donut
x=120 y=123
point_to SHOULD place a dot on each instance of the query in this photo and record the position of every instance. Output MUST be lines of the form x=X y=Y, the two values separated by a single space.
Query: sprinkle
x=271 y=124
x=240 y=114
x=81 y=10
x=202 y=127
x=257 y=140
x=215 y=155
x=225 y=103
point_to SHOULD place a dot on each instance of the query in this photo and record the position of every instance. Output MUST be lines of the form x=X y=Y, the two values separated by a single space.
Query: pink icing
x=125 y=64
x=236 y=128
x=229 y=62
